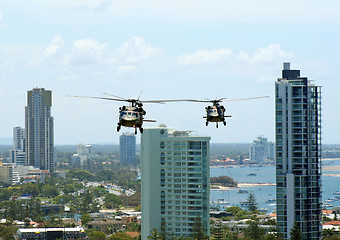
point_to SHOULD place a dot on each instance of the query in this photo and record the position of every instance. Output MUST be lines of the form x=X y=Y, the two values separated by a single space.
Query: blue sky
x=169 y=50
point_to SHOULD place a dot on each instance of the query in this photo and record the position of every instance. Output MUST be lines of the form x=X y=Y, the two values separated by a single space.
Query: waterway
x=266 y=174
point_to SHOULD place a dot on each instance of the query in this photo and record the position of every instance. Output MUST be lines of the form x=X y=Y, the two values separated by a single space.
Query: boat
x=327 y=205
x=271 y=201
x=251 y=174
x=245 y=204
x=222 y=201
x=263 y=210
x=242 y=191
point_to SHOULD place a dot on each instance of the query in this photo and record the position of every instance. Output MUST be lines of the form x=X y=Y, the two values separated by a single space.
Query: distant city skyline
x=173 y=50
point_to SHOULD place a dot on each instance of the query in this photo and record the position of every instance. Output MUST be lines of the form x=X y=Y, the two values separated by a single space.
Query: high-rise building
x=261 y=150
x=84 y=152
x=6 y=173
x=19 y=138
x=17 y=154
x=271 y=150
x=39 y=129
x=127 y=148
x=298 y=154
x=258 y=151
x=175 y=181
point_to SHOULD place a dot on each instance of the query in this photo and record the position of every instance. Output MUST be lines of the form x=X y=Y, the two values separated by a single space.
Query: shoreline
x=240 y=185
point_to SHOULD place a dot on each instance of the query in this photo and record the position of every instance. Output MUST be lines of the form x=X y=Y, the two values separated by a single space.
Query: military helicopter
x=129 y=116
x=216 y=112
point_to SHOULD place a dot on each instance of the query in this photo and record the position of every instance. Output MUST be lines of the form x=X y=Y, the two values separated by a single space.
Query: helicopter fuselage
x=215 y=113
x=130 y=117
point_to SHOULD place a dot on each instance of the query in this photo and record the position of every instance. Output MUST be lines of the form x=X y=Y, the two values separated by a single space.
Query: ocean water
x=266 y=174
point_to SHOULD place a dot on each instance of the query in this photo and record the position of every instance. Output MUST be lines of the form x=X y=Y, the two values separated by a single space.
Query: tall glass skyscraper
x=298 y=154
x=127 y=148
x=175 y=181
x=39 y=137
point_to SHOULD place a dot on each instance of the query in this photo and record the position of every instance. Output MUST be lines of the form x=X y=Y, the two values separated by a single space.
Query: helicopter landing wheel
x=135 y=131
x=224 y=123
x=206 y=123
x=216 y=125
x=141 y=130
x=118 y=128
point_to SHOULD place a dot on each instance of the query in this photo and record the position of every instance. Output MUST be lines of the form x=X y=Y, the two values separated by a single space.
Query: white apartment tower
x=84 y=152
x=175 y=181
x=17 y=154
x=39 y=129
x=298 y=154
x=127 y=148
x=258 y=151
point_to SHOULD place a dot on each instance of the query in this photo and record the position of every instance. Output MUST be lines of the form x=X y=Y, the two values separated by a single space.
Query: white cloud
x=85 y=52
x=69 y=77
x=89 y=52
x=2 y=26
x=205 y=57
x=136 y=50
x=97 y=6
x=270 y=54
x=125 y=70
x=52 y=49
x=265 y=55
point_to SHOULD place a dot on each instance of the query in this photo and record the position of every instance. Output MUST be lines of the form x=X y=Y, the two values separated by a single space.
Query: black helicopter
x=129 y=116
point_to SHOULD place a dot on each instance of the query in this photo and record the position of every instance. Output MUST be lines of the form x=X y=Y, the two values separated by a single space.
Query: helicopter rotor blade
x=113 y=96
x=242 y=99
x=111 y=99
x=175 y=100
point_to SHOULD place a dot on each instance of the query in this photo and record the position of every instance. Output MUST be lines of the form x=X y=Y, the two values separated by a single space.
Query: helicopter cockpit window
x=122 y=113
x=135 y=114
x=212 y=111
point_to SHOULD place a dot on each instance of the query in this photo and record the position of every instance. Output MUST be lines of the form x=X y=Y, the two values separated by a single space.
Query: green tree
x=254 y=231
x=295 y=232
x=328 y=232
x=241 y=215
x=30 y=188
x=7 y=230
x=233 y=210
x=5 y=194
x=85 y=218
x=154 y=234
x=252 y=206
x=69 y=188
x=224 y=181
x=120 y=236
x=198 y=231
x=112 y=201
x=96 y=235
x=218 y=231
x=49 y=191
